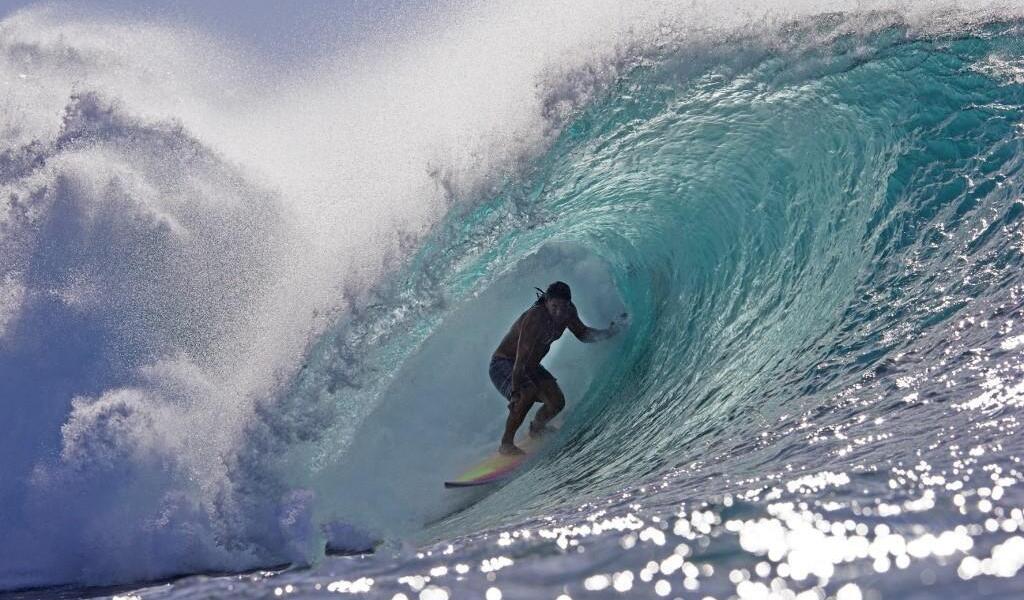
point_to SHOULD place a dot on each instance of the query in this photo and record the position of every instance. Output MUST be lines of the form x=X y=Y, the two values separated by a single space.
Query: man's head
x=557 y=299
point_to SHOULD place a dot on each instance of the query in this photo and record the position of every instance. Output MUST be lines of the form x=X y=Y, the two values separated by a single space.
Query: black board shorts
x=501 y=374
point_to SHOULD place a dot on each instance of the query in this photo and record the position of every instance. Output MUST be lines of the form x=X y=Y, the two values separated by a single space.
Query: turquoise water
x=819 y=245
x=817 y=235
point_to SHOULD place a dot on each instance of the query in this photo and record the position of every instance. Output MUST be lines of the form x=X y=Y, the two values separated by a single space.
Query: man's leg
x=518 y=407
x=554 y=402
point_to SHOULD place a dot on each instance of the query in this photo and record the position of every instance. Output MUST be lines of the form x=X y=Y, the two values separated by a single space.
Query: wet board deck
x=496 y=467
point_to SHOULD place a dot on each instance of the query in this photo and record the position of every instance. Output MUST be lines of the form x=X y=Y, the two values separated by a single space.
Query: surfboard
x=497 y=467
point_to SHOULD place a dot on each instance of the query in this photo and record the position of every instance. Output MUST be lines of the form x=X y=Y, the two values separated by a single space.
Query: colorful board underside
x=495 y=467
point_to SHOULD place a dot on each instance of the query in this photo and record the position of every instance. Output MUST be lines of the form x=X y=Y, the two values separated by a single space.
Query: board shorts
x=501 y=375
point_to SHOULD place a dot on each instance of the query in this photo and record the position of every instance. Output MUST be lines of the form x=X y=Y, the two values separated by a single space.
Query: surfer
x=515 y=366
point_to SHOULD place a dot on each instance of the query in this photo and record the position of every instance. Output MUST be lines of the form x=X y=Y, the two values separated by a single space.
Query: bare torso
x=541 y=336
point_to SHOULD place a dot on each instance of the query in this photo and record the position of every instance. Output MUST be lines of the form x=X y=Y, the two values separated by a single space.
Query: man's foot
x=510 y=450
x=543 y=430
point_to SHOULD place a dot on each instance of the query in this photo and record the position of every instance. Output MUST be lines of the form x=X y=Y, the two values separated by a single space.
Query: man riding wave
x=515 y=367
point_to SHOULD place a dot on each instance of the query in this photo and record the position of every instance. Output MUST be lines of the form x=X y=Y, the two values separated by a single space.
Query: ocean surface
x=246 y=310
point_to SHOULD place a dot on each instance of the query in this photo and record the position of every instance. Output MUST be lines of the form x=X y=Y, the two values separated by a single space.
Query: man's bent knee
x=553 y=396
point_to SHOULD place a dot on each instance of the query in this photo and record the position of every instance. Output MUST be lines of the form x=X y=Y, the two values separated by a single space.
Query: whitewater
x=247 y=306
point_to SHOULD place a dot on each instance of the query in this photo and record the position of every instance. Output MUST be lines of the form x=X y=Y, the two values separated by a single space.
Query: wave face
x=819 y=243
x=814 y=223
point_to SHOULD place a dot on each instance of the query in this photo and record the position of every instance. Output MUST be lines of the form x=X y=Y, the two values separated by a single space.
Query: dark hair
x=558 y=289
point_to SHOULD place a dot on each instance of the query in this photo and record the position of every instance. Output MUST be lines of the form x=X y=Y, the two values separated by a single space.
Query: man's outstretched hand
x=618 y=325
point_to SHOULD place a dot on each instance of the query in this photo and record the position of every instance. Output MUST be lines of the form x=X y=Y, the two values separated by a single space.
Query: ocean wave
x=230 y=351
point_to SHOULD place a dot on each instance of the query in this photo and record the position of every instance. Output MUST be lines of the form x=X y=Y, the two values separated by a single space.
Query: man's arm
x=589 y=334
